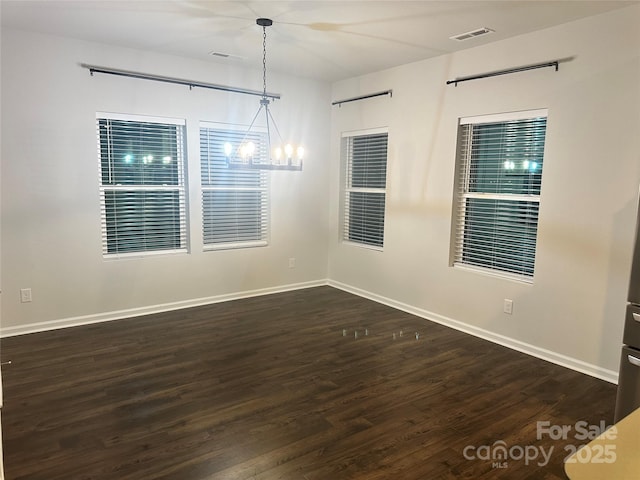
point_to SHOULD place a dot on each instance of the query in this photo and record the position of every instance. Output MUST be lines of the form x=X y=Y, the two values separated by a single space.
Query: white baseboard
x=136 y=312
x=542 y=353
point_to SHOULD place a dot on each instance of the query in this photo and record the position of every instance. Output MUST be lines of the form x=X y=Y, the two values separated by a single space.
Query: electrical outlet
x=292 y=262
x=508 y=306
x=25 y=295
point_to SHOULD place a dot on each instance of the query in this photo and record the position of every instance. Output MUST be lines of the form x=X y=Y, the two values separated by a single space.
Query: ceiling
x=324 y=39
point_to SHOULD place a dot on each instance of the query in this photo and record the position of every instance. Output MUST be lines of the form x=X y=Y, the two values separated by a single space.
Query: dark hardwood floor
x=268 y=388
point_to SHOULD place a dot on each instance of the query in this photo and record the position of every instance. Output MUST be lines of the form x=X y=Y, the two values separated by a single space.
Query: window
x=142 y=194
x=234 y=201
x=500 y=162
x=365 y=158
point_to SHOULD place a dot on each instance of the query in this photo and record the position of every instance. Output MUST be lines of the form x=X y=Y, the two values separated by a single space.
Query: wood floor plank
x=270 y=388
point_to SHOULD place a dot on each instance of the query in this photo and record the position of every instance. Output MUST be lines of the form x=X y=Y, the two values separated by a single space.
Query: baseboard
x=542 y=353
x=136 y=312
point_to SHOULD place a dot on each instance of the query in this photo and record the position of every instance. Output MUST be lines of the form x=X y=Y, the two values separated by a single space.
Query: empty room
x=319 y=240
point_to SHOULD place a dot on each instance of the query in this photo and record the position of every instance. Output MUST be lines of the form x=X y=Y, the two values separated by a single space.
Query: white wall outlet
x=292 y=262
x=508 y=306
x=25 y=295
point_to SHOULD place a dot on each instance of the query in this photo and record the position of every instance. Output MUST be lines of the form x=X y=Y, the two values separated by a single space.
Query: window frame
x=263 y=188
x=463 y=193
x=180 y=188
x=347 y=189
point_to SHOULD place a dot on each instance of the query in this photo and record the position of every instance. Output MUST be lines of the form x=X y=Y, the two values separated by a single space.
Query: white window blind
x=142 y=194
x=500 y=163
x=365 y=158
x=234 y=201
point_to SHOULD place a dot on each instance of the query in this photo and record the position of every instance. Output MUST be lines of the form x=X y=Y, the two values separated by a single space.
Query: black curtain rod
x=347 y=100
x=178 y=81
x=555 y=64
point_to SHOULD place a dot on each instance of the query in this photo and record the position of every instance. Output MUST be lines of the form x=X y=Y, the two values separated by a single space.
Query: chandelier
x=279 y=155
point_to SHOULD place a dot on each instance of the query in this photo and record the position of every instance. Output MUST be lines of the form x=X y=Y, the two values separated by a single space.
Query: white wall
x=50 y=203
x=575 y=307
x=572 y=313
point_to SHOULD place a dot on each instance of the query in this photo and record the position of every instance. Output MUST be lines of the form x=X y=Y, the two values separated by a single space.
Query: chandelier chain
x=264 y=61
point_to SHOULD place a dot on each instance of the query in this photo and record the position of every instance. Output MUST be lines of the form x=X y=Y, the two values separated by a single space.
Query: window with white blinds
x=142 y=192
x=365 y=158
x=234 y=201
x=500 y=162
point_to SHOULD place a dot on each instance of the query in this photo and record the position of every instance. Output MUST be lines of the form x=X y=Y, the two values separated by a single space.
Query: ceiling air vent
x=472 y=34
x=230 y=56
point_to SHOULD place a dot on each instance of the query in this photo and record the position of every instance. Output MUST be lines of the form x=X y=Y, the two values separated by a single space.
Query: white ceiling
x=324 y=39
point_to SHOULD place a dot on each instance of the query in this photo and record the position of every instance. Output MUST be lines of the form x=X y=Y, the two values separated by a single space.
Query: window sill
x=233 y=246
x=140 y=255
x=495 y=273
x=363 y=245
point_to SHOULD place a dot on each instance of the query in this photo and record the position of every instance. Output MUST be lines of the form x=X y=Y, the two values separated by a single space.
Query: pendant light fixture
x=275 y=155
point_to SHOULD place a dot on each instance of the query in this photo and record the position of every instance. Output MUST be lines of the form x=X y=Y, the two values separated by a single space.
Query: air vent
x=472 y=34
x=230 y=56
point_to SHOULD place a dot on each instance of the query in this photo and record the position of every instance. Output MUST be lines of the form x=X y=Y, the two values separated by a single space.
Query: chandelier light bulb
x=228 y=149
x=278 y=153
x=288 y=150
x=300 y=153
x=251 y=149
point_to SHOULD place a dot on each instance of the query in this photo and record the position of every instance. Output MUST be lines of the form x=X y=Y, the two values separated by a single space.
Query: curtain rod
x=178 y=81
x=378 y=94
x=554 y=63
